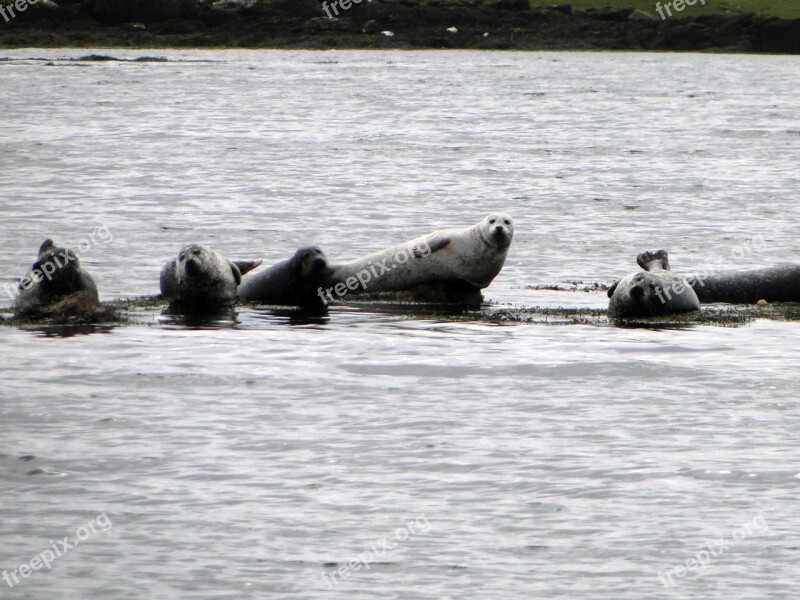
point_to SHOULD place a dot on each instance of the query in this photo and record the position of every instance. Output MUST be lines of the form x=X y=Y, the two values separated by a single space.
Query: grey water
x=396 y=453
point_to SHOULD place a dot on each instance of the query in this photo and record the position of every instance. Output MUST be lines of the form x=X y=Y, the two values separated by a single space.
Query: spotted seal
x=200 y=278
x=55 y=275
x=780 y=283
x=469 y=257
x=653 y=292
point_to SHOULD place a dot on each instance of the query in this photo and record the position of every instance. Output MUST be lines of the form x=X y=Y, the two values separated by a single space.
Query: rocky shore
x=477 y=24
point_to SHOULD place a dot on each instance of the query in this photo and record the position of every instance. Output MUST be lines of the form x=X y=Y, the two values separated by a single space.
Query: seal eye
x=196 y=251
x=181 y=257
x=507 y=222
x=491 y=221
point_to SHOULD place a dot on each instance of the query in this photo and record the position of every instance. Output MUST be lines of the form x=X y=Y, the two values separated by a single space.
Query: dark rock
x=778 y=35
x=233 y=6
x=512 y=5
x=640 y=15
x=79 y=304
x=326 y=24
x=620 y=15
x=550 y=14
x=371 y=27
x=147 y=11
x=565 y=9
x=46 y=4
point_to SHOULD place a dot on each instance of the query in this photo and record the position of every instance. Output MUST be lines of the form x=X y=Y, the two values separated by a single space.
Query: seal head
x=497 y=231
x=201 y=278
x=657 y=291
x=292 y=282
x=55 y=275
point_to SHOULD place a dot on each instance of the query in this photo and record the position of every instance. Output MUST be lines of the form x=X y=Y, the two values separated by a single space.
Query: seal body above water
x=292 y=282
x=656 y=291
x=54 y=276
x=470 y=256
x=200 y=278
x=773 y=284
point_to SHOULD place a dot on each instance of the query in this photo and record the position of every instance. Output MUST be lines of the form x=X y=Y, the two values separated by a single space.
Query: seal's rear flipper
x=246 y=265
x=655 y=259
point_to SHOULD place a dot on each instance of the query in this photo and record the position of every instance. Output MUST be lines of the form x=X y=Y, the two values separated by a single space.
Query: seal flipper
x=245 y=266
x=237 y=274
x=434 y=243
x=46 y=247
x=651 y=259
x=612 y=288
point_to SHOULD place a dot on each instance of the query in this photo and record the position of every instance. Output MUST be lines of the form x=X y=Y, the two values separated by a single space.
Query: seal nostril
x=191 y=266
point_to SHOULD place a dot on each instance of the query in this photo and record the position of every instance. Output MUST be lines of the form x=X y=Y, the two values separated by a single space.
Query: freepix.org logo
x=44 y=560
x=101 y=234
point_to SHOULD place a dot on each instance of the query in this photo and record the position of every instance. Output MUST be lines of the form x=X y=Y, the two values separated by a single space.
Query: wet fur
x=652 y=292
x=773 y=284
x=471 y=256
x=200 y=278
x=67 y=279
x=292 y=282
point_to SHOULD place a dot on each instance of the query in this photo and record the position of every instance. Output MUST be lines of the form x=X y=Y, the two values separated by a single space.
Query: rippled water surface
x=401 y=453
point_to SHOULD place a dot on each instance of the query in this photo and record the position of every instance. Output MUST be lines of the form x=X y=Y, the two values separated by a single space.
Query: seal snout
x=314 y=260
x=500 y=229
x=637 y=292
x=191 y=266
x=319 y=263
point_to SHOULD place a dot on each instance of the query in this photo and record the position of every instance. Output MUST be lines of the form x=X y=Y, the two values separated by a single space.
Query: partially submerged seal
x=200 y=278
x=656 y=291
x=772 y=284
x=55 y=276
x=469 y=258
x=292 y=282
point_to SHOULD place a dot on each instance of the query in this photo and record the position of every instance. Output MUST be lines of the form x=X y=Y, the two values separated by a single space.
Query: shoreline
x=389 y=24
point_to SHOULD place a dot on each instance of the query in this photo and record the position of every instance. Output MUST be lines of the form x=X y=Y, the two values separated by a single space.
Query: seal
x=292 y=282
x=469 y=258
x=55 y=275
x=780 y=283
x=200 y=278
x=656 y=291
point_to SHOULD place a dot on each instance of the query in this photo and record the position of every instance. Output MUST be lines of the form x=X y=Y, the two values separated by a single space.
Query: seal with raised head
x=469 y=258
x=55 y=275
x=780 y=283
x=200 y=278
x=656 y=291
x=292 y=282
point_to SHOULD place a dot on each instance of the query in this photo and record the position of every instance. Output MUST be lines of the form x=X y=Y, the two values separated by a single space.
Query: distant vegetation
x=787 y=9
x=717 y=26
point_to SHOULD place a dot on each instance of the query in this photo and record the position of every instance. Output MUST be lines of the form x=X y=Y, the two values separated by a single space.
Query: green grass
x=787 y=9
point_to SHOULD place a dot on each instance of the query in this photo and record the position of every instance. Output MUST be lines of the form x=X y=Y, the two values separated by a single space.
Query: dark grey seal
x=292 y=282
x=54 y=276
x=656 y=291
x=200 y=278
x=773 y=284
